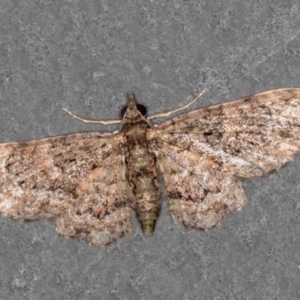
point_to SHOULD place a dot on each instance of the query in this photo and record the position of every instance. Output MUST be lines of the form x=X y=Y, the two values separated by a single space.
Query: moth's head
x=133 y=110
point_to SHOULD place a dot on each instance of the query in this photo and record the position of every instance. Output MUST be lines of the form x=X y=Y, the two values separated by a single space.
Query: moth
x=93 y=184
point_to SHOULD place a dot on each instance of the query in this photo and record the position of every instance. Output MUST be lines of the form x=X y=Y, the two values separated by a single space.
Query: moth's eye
x=142 y=109
x=123 y=111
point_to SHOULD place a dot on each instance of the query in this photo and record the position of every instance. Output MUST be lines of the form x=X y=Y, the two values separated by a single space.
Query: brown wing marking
x=103 y=211
x=76 y=180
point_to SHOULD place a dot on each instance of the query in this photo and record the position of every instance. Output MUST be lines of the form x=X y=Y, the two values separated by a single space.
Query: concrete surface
x=85 y=55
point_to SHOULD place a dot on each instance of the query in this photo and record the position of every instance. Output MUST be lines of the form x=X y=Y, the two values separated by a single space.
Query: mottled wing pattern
x=203 y=152
x=77 y=180
x=198 y=195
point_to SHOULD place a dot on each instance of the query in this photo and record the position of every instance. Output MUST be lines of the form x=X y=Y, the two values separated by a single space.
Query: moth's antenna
x=104 y=122
x=167 y=113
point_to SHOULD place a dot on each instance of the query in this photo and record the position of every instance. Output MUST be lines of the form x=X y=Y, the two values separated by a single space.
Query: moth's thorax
x=135 y=133
x=135 y=125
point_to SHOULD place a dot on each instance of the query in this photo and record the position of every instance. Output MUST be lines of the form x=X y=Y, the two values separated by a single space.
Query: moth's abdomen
x=143 y=178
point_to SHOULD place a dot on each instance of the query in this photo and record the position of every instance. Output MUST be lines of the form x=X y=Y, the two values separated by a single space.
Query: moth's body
x=141 y=167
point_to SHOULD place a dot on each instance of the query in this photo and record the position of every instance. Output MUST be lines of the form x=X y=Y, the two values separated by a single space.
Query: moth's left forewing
x=250 y=137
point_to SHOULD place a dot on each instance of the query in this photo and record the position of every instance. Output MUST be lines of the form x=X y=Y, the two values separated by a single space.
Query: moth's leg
x=104 y=122
x=167 y=113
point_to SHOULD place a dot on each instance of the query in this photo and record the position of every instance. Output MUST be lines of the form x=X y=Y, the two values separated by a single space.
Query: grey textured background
x=85 y=55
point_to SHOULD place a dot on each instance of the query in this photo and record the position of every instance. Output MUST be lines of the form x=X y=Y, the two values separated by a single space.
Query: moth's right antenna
x=104 y=122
